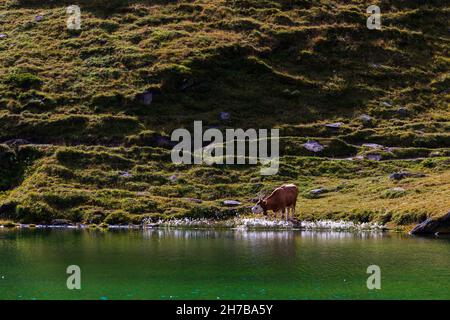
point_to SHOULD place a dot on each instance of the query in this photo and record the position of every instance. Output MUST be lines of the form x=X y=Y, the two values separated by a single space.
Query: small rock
x=316 y=192
x=231 y=203
x=386 y=104
x=38 y=18
x=126 y=174
x=402 y=111
x=336 y=125
x=17 y=142
x=147 y=98
x=225 y=116
x=393 y=193
x=390 y=149
x=366 y=119
x=373 y=145
x=173 y=178
x=374 y=157
x=404 y=174
x=195 y=200
x=61 y=222
x=436 y=154
x=34 y=103
x=313 y=146
x=2 y=36
x=398 y=175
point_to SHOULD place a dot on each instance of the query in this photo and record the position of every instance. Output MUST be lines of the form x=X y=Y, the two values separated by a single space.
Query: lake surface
x=205 y=264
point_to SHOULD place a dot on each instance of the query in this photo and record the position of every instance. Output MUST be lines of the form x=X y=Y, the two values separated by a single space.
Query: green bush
x=24 y=80
x=393 y=193
x=35 y=213
x=92 y=215
x=118 y=217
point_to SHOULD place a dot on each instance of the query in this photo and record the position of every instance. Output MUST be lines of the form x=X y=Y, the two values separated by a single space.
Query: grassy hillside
x=92 y=150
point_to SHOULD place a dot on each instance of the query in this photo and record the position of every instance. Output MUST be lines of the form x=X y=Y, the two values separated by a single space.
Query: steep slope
x=93 y=148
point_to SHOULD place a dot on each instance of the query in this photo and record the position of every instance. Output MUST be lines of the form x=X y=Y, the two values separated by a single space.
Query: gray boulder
x=405 y=174
x=399 y=175
x=17 y=142
x=374 y=157
x=402 y=111
x=335 y=125
x=231 y=203
x=317 y=192
x=313 y=146
x=433 y=226
x=125 y=174
x=225 y=116
x=366 y=119
x=373 y=146
x=61 y=222
x=145 y=98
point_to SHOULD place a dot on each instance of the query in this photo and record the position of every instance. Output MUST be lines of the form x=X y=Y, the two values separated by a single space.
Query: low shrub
x=37 y=212
x=24 y=80
x=118 y=217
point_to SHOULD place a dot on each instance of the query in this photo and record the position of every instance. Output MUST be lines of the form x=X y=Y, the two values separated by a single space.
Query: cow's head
x=260 y=207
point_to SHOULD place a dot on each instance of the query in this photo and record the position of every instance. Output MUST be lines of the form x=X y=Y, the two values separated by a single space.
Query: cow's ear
x=264 y=202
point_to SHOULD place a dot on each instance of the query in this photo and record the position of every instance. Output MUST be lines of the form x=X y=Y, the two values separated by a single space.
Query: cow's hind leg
x=293 y=209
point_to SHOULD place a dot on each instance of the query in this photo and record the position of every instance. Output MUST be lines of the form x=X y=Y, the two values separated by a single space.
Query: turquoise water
x=205 y=264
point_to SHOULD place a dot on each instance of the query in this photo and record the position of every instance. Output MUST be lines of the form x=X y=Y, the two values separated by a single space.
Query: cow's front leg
x=284 y=213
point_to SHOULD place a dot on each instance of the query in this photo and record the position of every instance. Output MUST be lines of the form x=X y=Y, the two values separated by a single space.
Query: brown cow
x=282 y=199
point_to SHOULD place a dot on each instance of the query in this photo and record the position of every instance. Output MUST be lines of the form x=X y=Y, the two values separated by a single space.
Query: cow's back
x=283 y=196
x=290 y=193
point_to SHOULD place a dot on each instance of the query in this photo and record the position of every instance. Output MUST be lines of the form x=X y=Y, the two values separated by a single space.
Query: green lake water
x=205 y=264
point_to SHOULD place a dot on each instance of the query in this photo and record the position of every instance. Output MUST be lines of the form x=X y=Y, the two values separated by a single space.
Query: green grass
x=294 y=65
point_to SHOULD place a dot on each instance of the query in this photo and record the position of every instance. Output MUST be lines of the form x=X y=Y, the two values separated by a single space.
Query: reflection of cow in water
x=282 y=199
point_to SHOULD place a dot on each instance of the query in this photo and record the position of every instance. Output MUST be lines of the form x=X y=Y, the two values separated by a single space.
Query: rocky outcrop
x=61 y=222
x=433 y=226
x=405 y=174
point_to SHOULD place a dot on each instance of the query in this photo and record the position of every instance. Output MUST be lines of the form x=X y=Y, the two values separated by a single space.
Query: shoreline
x=251 y=224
